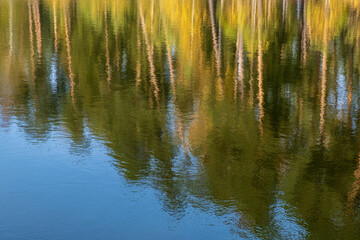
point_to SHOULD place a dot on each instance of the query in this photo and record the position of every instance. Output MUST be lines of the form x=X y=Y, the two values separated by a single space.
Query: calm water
x=179 y=119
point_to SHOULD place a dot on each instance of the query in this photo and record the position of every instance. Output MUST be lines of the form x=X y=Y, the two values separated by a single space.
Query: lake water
x=179 y=119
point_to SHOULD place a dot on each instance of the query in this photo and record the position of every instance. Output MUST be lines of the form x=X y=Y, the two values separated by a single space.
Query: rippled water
x=179 y=119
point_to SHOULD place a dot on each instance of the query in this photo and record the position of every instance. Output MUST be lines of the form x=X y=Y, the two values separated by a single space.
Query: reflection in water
x=150 y=51
x=250 y=107
x=11 y=20
x=31 y=36
x=37 y=22
x=108 y=68
x=67 y=25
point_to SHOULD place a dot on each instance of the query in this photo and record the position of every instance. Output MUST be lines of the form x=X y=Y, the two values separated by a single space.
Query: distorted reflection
x=250 y=106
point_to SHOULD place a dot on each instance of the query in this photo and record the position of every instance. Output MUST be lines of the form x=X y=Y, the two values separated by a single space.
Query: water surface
x=179 y=119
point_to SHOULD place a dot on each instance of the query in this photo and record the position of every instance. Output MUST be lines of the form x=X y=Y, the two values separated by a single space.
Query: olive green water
x=182 y=119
